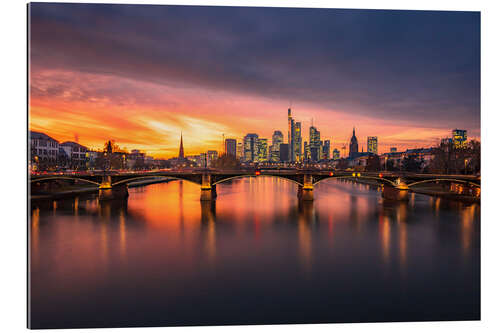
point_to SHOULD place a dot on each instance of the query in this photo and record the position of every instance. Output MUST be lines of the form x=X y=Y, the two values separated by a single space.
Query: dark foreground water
x=255 y=256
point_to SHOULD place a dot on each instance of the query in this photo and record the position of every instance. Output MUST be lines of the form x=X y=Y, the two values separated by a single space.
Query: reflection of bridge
x=396 y=184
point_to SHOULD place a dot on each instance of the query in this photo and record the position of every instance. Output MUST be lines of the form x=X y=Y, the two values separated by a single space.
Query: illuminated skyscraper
x=262 y=150
x=325 y=150
x=459 y=138
x=297 y=142
x=203 y=160
x=353 y=145
x=277 y=140
x=250 y=147
x=307 y=152
x=372 y=145
x=291 y=136
x=230 y=147
x=314 y=144
x=239 y=150
x=336 y=154
x=211 y=157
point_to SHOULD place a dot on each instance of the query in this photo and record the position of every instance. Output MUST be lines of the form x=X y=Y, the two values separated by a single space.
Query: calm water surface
x=254 y=256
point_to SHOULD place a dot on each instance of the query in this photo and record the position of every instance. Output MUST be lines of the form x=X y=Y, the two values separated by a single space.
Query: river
x=255 y=255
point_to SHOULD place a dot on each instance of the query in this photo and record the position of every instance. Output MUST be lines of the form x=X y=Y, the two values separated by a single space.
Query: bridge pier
x=115 y=192
x=396 y=193
x=208 y=190
x=306 y=192
x=109 y=192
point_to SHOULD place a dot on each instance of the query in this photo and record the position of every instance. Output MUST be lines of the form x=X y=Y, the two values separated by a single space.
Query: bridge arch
x=63 y=178
x=253 y=175
x=444 y=179
x=131 y=179
x=360 y=177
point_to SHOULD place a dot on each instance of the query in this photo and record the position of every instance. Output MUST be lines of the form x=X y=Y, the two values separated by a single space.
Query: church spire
x=181 y=150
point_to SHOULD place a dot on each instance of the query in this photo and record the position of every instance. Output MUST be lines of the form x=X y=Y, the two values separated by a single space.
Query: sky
x=142 y=74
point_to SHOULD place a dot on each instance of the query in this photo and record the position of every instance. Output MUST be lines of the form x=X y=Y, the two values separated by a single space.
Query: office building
x=325 y=150
x=372 y=145
x=291 y=136
x=250 y=143
x=262 y=151
x=307 y=152
x=459 y=138
x=230 y=147
x=297 y=142
x=284 y=151
x=239 y=151
x=277 y=140
x=336 y=154
x=314 y=144
x=211 y=157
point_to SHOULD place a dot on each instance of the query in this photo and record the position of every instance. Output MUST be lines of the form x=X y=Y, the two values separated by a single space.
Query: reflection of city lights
x=467 y=216
x=35 y=230
x=76 y=206
x=385 y=234
x=305 y=244
x=123 y=239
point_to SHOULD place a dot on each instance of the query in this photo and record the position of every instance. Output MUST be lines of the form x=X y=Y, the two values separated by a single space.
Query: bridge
x=113 y=185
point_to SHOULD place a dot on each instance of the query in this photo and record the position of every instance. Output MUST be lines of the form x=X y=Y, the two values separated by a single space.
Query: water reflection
x=306 y=219
x=164 y=249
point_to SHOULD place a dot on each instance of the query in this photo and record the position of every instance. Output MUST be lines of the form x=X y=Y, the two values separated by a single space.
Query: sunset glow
x=143 y=86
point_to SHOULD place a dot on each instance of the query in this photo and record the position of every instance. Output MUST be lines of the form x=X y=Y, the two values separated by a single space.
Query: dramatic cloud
x=394 y=72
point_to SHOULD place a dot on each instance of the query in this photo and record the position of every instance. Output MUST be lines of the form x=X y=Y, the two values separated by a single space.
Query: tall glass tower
x=372 y=145
x=291 y=137
x=314 y=143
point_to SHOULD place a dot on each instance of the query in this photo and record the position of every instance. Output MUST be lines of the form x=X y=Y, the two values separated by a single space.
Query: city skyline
x=92 y=83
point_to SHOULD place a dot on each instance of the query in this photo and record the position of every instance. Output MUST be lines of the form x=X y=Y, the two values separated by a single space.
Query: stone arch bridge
x=113 y=185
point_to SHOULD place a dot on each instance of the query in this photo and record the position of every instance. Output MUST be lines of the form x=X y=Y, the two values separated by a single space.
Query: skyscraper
x=353 y=145
x=181 y=150
x=262 y=150
x=250 y=147
x=307 y=151
x=291 y=136
x=314 y=144
x=239 y=151
x=459 y=138
x=211 y=157
x=230 y=147
x=277 y=140
x=326 y=150
x=372 y=145
x=336 y=154
x=297 y=142
x=284 y=151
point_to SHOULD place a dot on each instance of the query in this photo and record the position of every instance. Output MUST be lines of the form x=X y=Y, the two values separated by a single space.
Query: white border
x=13 y=166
